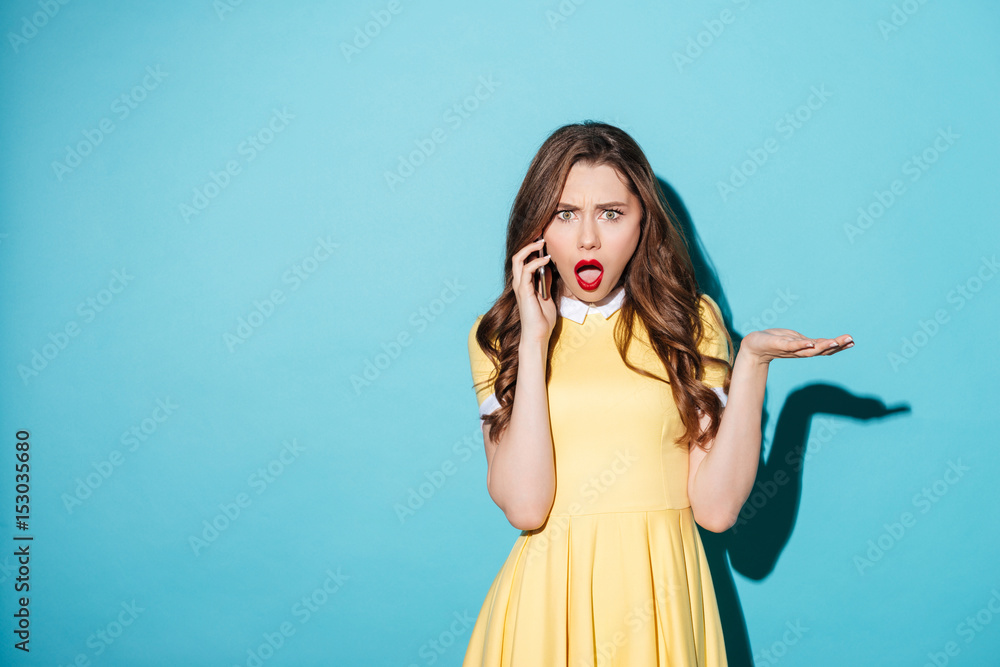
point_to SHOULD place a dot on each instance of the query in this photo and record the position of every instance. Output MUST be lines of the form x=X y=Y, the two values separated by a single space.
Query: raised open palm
x=785 y=343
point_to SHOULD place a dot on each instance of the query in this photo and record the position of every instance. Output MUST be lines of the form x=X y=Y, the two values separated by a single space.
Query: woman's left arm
x=721 y=479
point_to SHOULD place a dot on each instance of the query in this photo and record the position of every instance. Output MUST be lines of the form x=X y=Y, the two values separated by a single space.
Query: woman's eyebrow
x=571 y=207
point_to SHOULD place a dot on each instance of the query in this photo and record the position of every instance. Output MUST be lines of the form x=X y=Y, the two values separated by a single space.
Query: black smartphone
x=540 y=285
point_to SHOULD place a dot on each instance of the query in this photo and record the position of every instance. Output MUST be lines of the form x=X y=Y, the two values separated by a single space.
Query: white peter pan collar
x=577 y=310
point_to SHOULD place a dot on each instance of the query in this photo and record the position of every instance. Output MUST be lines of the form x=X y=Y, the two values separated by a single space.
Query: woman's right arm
x=521 y=477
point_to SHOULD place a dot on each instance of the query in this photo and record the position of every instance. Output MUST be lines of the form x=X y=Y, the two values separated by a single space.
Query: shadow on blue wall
x=768 y=517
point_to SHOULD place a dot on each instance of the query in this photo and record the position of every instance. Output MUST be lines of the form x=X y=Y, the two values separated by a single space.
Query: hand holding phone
x=533 y=285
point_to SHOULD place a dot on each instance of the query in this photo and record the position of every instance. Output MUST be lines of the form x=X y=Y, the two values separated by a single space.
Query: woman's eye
x=611 y=215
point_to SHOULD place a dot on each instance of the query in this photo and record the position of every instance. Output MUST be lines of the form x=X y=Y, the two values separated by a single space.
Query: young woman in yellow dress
x=615 y=419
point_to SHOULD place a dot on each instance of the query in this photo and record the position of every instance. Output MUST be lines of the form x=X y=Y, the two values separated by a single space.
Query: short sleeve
x=714 y=344
x=482 y=368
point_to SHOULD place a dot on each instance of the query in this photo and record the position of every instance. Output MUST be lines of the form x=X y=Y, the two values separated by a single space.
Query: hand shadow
x=766 y=522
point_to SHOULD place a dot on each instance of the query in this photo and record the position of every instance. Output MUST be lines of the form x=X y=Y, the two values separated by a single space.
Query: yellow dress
x=617 y=575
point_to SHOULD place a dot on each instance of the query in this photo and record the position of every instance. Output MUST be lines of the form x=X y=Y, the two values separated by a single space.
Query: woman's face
x=597 y=221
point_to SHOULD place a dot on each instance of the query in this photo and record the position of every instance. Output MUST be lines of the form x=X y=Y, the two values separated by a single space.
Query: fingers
x=527 y=271
x=534 y=246
x=533 y=265
x=828 y=346
x=794 y=344
x=517 y=261
x=845 y=343
x=528 y=274
x=524 y=270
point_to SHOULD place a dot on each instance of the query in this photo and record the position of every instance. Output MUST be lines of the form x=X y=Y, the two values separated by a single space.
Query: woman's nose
x=589 y=238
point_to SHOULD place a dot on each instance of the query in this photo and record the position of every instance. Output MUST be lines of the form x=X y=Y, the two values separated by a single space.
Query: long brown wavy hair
x=659 y=279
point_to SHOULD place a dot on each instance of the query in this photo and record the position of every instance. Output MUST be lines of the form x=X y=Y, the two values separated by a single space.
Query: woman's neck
x=565 y=291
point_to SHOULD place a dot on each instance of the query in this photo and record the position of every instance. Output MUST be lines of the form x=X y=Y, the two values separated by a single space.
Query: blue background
x=384 y=181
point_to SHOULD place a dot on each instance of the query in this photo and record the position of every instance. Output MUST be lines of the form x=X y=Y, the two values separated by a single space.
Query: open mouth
x=589 y=273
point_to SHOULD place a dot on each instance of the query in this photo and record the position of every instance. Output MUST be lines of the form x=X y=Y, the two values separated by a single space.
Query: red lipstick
x=594 y=272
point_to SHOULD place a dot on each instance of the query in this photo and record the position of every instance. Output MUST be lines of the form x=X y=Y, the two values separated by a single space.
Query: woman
x=602 y=406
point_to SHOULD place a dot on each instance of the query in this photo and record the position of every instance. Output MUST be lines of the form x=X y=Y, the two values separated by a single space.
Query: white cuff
x=489 y=405
x=722 y=395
